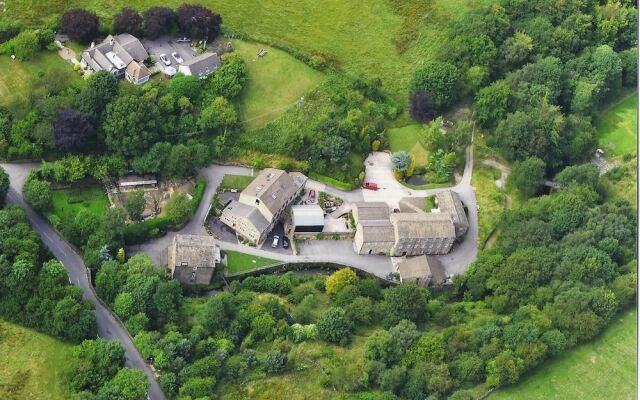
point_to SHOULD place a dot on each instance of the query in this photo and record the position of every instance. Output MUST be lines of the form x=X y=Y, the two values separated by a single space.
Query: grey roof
x=251 y=213
x=368 y=211
x=414 y=267
x=137 y=71
x=195 y=250
x=307 y=215
x=376 y=231
x=449 y=202
x=127 y=47
x=298 y=178
x=422 y=225
x=273 y=187
x=412 y=204
x=203 y=64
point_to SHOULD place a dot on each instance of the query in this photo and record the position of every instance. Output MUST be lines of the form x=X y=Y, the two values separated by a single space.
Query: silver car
x=165 y=59
x=177 y=57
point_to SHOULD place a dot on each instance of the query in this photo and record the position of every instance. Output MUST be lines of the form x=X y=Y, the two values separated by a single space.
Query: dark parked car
x=285 y=243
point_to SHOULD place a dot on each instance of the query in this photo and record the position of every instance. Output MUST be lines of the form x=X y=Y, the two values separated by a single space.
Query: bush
x=334 y=327
x=275 y=362
x=80 y=25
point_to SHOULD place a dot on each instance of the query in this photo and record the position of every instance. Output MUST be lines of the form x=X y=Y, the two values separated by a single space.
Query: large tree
x=71 y=130
x=421 y=106
x=198 y=22
x=4 y=186
x=101 y=89
x=158 y=21
x=128 y=384
x=135 y=204
x=528 y=176
x=128 y=21
x=80 y=25
x=439 y=79
x=131 y=125
x=97 y=361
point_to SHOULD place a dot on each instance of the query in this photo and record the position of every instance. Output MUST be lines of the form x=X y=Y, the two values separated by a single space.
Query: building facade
x=422 y=233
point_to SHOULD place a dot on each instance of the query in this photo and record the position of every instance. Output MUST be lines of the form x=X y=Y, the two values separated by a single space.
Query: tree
x=179 y=208
x=38 y=194
x=438 y=79
x=528 y=176
x=74 y=320
x=629 y=60
x=128 y=384
x=71 y=130
x=154 y=160
x=128 y=21
x=80 y=25
x=97 y=362
x=198 y=22
x=167 y=300
x=334 y=327
x=229 y=80
x=504 y=369
x=158 y=21
x=114 y=223
x=219 y=115
x=131 y=125
x=135 y=205
x=25 y=45
x=101 y=89
x=421 y=106
x=516 y=50
x=340 y=279
x=110 y=280
x=275 y=362
x=492 y=104
x=400 y=160
x=4 y=186
x=406 y=301
x=123 y=305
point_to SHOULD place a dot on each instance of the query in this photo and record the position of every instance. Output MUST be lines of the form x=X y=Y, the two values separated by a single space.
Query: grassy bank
x=238 y=182
x=602 y=369
x=276 y=82
x=617 y=127
x=239 y=262
x=32 y=365
x=490 y=199
x=407 y=139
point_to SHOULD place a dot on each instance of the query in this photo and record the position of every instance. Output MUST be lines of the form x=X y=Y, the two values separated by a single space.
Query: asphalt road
x=108 y=326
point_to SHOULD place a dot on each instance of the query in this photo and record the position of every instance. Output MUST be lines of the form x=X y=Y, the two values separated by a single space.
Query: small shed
x=135 y=182
x=307 y=218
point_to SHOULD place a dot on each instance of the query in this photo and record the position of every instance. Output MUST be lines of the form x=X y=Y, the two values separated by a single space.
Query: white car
x=177 y=57
x=276 y=240
x=165 y=59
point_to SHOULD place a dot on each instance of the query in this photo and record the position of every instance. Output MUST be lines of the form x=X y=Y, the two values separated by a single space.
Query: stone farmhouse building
x=192 y=259
x=412 y=231
x=422 y=270
x=262 y=204
x=121 y=55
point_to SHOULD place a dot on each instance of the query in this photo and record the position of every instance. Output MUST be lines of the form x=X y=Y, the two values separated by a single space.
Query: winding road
x=108 y=326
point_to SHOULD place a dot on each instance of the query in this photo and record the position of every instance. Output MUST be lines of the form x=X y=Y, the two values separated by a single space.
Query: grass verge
x=490 y=199
x=32 y=365
x=238 y=182
x=602 y=369
x=240 y=262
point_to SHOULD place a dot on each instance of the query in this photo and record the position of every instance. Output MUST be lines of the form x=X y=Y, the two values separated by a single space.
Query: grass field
x=276 y=82
x=490 y=199
x=374 y=38
x=21 y=78
x=91 y=198
x=238 y=182
x=32 y=365
x=407 y=139
x=239 y=262
x=617 y=127
x=602 y=369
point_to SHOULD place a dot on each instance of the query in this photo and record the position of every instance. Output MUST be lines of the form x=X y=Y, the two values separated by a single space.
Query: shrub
x=334 y=327
x=275 y=362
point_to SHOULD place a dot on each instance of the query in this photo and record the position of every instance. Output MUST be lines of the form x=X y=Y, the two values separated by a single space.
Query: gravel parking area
x=167 y=45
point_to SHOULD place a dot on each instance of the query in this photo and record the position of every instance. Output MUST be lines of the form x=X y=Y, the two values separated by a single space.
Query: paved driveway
x=167 y=45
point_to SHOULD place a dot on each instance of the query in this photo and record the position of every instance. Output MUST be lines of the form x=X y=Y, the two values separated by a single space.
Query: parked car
x=165 y=59
x=177 y=57
x=332 y=209
x=233 y=190
x=312 y=196
x=183 y=40
x=396 y=210
x=285 y=243
x=276 y=241
x=370 y=186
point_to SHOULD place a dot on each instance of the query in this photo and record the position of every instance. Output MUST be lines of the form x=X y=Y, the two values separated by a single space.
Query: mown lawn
x=20 y=79
x=617 y=127
x=238 y=182
x=373 y=38
x=32 y=365
x=68 y=202
x=490 y=199
x=239 y=262
x=276 y=82
x=602 y=369
x=407 y=139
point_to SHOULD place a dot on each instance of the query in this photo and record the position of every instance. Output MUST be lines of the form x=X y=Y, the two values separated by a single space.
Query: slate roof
x=422 y=225
x=420 y=267
x=125 y=46
x=195 y=250
x=379 y=231
x=252 y=214
x=273 y=187
x=368 y=211
x=449 y=202
x=203 y=64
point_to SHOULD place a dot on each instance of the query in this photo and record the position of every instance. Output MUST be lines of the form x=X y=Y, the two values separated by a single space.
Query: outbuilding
x=307 y=218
